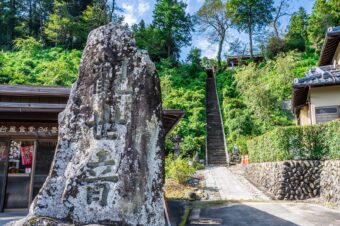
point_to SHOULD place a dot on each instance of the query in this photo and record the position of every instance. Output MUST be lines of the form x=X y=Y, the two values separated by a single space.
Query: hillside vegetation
x=41 y=44
x=33 y=64
x=183 y=86
x=253 y=97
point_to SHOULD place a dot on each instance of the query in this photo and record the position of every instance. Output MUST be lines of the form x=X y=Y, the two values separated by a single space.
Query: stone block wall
x=330 y=181
x=287 y=180
x=267 y=175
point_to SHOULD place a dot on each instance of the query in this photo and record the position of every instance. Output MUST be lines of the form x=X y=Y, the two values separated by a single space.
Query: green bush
x=33 y=64
x=297 y=143
x=178 y=169
x=183 y=87
x=252 y=96
x=332 y=139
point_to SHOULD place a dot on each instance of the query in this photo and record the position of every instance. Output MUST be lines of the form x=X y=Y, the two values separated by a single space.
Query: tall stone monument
x=108 y=166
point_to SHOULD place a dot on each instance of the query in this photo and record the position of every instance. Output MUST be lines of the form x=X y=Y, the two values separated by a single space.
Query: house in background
x=239 y=60
x=28 y=139
x=316 y=97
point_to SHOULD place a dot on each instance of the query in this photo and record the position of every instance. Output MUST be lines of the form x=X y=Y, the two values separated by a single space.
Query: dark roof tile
x=323 y=75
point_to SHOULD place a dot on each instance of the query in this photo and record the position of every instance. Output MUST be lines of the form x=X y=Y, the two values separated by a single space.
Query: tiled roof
x=323 y=75
x=330 y=45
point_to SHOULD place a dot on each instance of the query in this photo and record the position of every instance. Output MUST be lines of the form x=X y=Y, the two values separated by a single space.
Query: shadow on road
x=237 y=215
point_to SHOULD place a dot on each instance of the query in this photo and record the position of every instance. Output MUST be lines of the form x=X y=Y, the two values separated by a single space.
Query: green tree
x=10 y=20
x=150 y=39
x=298 y=23
x=194 y=56
x=71 y=21
x=95 y=15
x=279 y=11
x=275 y=46
x=61 y=26
x=326 y=13
x=175 y=25
x=250 y=15
x=214 y=18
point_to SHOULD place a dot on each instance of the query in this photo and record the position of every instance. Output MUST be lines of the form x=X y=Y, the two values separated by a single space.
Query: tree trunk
x=30 y=19
x=169 y=44
x=169 y=50
x=220 y=46
x=11 y=22
x=113 y=6
x=276 y=30
x=250 y=31
x=35 y=19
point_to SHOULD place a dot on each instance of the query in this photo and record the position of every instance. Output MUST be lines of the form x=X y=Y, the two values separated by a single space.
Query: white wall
x=324 y=96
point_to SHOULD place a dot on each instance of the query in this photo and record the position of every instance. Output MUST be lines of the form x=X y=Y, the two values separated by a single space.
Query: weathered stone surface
x=108 y=166
x=330 y=181
x=288 y=180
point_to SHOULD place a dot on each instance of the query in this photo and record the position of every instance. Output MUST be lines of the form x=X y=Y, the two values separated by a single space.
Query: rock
x=287 y=164
x=108 y=166
x=193 y=196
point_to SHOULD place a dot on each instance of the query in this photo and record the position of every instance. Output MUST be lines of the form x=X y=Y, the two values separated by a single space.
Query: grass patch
x=175 y=190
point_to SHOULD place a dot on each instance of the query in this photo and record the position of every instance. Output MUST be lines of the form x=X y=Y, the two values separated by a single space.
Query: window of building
x=24 y=167
x=326 y=114
x=20 y=158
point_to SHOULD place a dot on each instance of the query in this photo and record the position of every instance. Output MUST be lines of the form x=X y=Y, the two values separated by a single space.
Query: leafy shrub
x=252 y=96
x=297 y=142
x=178 y=169
x=183 y=87
x=332 y=139
x=274 y=47
x=32 y=64
x=295 y=42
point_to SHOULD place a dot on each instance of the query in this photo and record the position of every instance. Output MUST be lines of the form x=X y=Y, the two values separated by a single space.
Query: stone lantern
x=177 y=148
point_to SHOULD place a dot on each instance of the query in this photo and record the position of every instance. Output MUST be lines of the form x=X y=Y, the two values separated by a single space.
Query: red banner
x=27 y=155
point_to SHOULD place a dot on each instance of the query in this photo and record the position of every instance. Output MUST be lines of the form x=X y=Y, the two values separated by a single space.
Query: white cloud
x=208 y=49
x=143 y=7
x=129 y=14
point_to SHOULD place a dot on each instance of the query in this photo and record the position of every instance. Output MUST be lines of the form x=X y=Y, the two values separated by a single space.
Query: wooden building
x=28 y=137
x=316 y=97
x=235 y=61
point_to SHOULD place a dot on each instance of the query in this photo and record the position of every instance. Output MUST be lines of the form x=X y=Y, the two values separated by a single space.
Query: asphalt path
x=265 y=214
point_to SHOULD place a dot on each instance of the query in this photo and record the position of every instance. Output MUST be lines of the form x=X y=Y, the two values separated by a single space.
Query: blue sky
x=136 y=10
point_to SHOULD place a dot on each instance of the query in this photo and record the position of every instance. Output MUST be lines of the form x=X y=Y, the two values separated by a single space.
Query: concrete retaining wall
x=330 y=181
x=287 y=180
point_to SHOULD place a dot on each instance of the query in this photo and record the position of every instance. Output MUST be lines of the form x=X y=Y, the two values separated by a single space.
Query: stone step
x=217 y=155
x=215 y=142
x=215 y=136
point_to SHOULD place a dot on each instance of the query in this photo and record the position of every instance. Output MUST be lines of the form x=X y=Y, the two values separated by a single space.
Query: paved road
x=265 y=214
x=228 y=184
x=222 y=183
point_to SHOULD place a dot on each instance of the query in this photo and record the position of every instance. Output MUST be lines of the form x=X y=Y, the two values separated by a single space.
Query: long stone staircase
x=216 y=150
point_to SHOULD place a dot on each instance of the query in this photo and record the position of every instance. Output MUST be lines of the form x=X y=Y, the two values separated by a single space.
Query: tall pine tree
x=250 y=15
x=175 y=25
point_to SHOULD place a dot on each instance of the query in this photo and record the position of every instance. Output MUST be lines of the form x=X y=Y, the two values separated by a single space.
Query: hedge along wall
x=297 y=143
